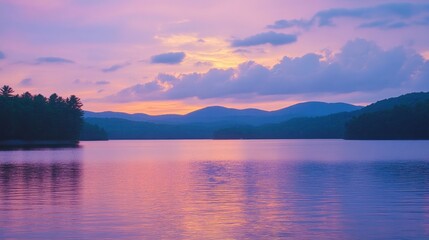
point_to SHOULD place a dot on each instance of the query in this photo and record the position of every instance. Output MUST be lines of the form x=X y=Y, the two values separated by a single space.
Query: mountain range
x=381 y=120
x=203 y=123
x=223 y=115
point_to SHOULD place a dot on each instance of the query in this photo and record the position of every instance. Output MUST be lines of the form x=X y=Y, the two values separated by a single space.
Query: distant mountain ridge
x=226 y=123
x=219 y=114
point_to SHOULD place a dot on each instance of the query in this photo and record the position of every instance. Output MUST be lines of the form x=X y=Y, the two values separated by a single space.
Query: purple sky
x=162 y=56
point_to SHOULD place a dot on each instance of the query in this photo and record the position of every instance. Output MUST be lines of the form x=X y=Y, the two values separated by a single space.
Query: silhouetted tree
x=28 y=117
x=6 y=91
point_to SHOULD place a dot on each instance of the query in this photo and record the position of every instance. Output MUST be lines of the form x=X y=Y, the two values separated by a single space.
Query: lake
x=216 y=189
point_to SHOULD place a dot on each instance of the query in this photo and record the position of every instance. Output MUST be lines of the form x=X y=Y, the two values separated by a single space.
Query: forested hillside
x=36 y=117
x=402 y=122
x=403 y=117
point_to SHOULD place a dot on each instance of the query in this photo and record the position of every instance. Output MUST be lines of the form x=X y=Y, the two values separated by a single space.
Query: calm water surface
x=262 y=189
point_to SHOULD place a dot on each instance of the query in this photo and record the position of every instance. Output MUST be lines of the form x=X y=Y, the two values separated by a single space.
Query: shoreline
x=13 y=144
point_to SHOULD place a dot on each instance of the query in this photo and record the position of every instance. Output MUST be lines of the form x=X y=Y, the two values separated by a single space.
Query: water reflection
x=195 y=190
x=24 y=185
x=308 y=200
x=37 y=189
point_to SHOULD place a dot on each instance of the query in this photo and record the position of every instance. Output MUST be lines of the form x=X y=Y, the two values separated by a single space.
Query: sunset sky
x=165 y=56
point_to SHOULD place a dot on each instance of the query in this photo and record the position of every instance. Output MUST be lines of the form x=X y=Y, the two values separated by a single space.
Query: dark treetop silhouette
x=37 y=118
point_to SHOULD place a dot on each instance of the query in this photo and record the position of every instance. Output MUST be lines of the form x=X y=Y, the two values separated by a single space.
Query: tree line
x=36 y=117
x=401 y=122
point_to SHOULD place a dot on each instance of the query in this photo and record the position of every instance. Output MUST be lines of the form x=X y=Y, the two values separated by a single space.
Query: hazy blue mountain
x=217 y=111
x=128 y=116
x=315 y=109
x=223 y=115
x=202 y=123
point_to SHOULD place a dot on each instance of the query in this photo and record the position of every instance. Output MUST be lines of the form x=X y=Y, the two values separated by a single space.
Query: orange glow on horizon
x=178 y=107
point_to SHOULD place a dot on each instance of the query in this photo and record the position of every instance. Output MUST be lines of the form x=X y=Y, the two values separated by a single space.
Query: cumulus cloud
x=2 y=55
x=384 y=16
x=53 y=60
x=360 y=66
x=114 y=67
x=137 y=92
x=26 y=82
x=168 y=58
x=271 y=37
